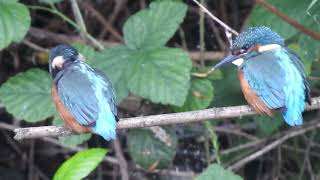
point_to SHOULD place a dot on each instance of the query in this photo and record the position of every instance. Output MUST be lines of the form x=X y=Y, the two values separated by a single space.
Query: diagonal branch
x=156 y=120
x=292 y=22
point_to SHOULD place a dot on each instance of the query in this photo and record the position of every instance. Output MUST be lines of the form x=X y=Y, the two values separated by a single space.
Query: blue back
x=89 y=96
x=278 y=79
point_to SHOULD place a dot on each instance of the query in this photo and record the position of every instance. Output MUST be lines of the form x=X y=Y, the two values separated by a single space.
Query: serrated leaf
x=267 y=125
x=88 y=52
x=80 y=165
x=114 y=62
x=28 y=95
x=146 y=150
x=199 y=97
x=74 y=140
x=161 y=75
x=153 y=27
x=216 y=172
x=14 y=22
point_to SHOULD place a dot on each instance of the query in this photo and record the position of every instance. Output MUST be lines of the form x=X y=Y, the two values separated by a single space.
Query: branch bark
x=156 y=120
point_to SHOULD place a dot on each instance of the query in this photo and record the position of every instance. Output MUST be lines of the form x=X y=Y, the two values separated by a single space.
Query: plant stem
x=214 y=140
x=53 y=10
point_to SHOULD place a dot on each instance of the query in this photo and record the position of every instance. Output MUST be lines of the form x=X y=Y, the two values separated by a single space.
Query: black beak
x=227 y=60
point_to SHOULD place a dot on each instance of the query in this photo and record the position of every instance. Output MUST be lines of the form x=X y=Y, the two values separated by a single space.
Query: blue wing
x=266 y=77
x=89 y=96
x=298 y=64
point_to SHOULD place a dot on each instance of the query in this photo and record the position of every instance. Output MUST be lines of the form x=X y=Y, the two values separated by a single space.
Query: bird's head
x=253 y=41
x=61 y=56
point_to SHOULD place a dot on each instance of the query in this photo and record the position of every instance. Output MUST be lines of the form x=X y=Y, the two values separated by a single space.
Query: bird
x=272 y=76
x=83 y=96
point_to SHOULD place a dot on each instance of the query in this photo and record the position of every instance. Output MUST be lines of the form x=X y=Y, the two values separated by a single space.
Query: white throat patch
x=268 y=47
x=57 y=62
x=238 y=62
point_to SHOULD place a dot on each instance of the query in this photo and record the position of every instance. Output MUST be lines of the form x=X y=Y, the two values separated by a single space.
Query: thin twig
x=122 y=161
x=216 y=19
x=78 y=17
x=291 y=133
x=34 y=46
x=292 y=22
x=156 y=120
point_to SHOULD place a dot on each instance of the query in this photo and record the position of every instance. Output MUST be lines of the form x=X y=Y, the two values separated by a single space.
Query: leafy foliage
x=80 y=165
x=153 y=27
x=147 y=151
x=144 y=66
x=215 y=171
x=14 y=22
x=199 y=97
x=266 y=125
x=28 y=95
x=74 y=140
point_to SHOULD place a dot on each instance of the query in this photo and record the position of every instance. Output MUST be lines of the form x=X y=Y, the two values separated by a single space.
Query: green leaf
x=14 y=22
x=153 y=27
x=28 y=95
x=199 y=97
x=114 y=62
x=88 y=52
x=267 y=125
x=216 y=172
x=161 y=75
x=74 y=140
x=146 y=150
x=80 y=165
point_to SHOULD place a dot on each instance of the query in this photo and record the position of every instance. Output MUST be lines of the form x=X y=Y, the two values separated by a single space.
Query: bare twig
x=34 y=46
x=156 y=120
x=122 y=161
x=78 y=17
x=216 y=19
x=107 y=25
x=292 y=22
x=291 y=133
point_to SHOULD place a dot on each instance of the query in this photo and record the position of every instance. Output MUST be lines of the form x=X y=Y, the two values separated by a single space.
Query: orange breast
x=65 y=114
x=251 y=96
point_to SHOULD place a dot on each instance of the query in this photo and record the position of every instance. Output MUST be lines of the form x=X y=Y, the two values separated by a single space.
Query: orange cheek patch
x=251 y=96
x=65 y=114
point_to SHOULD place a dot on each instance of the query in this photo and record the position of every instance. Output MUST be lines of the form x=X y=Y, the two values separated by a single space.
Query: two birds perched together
x=271 y=77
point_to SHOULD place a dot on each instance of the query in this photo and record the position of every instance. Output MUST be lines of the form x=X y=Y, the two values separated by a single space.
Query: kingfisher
x=84 y=97
x=271 y=76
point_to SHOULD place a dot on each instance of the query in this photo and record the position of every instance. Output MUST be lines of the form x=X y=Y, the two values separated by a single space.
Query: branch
x=292 y=22
x=156 y=120
x=279 y=140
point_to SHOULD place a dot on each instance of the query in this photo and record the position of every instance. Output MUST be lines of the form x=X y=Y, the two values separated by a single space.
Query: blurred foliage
x=148 y=151
x=14 y=22
x=215 y=171
x=80 y=165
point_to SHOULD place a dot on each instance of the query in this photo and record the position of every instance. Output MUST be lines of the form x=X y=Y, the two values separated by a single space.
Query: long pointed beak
x=227 y=60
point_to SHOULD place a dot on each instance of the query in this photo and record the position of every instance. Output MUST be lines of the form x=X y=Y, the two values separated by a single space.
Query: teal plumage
x=85 y=94
x=274 y=74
